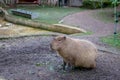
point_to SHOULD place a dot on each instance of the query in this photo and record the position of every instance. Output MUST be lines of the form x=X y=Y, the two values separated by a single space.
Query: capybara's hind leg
x=93 y=65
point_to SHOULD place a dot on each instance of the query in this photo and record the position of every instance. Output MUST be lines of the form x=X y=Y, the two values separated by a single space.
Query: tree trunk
x=35 y=24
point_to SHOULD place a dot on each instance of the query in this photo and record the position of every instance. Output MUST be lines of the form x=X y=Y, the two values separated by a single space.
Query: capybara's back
x=85 y=53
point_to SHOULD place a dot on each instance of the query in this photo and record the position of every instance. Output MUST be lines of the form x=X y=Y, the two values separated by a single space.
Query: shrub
x=94 y=4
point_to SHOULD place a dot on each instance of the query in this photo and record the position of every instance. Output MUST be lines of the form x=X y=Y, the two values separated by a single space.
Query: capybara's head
x=58 y=42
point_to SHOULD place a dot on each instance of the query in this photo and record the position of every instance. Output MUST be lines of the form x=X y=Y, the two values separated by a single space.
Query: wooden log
x=36 y=24
x=68 y=29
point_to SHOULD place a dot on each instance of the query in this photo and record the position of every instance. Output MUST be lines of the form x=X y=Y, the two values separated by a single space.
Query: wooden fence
x=46 y=2
x=5 y=3
x=41 y=2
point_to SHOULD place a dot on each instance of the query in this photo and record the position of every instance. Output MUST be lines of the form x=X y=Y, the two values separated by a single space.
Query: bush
x=94 y=4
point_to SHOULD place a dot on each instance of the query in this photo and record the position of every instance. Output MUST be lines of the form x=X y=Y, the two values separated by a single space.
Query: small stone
x=0 y=25
x=51 y=68
x=8 y=24
x=61 y=21
x=31 y=72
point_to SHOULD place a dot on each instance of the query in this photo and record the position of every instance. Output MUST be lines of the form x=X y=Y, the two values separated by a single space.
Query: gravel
x=30 y=58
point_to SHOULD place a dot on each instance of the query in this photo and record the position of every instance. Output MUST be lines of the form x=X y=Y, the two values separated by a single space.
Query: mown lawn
x=51 y=15
x=106 y=15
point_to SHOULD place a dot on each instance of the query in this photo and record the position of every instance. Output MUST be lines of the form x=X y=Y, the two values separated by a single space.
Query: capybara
x=76 y=52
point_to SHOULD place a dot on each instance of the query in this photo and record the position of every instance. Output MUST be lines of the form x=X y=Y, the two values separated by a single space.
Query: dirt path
x=86 y=21
x=30 y=58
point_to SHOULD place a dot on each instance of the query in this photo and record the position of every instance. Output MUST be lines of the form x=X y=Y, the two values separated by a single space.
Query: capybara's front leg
x=64 y=65
x=67 y=65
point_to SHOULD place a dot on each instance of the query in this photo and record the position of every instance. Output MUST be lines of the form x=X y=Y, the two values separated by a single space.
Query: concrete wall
x=71 y=2
x=75 y=2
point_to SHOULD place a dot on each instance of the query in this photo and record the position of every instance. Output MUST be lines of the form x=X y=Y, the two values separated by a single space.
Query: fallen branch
x=4 y=11
x=2 y=3
x=36 y=24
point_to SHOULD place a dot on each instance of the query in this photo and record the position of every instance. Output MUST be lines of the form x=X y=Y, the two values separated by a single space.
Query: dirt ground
x=89 y=21
x=30 y=58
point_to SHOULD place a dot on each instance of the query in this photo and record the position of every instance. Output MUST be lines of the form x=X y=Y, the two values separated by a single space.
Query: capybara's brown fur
x=77 y=52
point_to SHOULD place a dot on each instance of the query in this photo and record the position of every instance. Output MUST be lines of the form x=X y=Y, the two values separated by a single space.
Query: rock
x=8 y=24
x=0 y=25
x=61 y=21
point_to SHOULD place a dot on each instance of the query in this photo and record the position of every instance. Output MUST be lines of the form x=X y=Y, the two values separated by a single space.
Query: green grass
x=81 y=34
x=105 y=15
x=112 y=41
x=51 y=15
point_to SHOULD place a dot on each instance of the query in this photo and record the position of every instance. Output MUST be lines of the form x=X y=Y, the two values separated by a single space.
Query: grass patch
x=81 y=34
x=105 y=15
x=51 y=15
x=115 y=42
